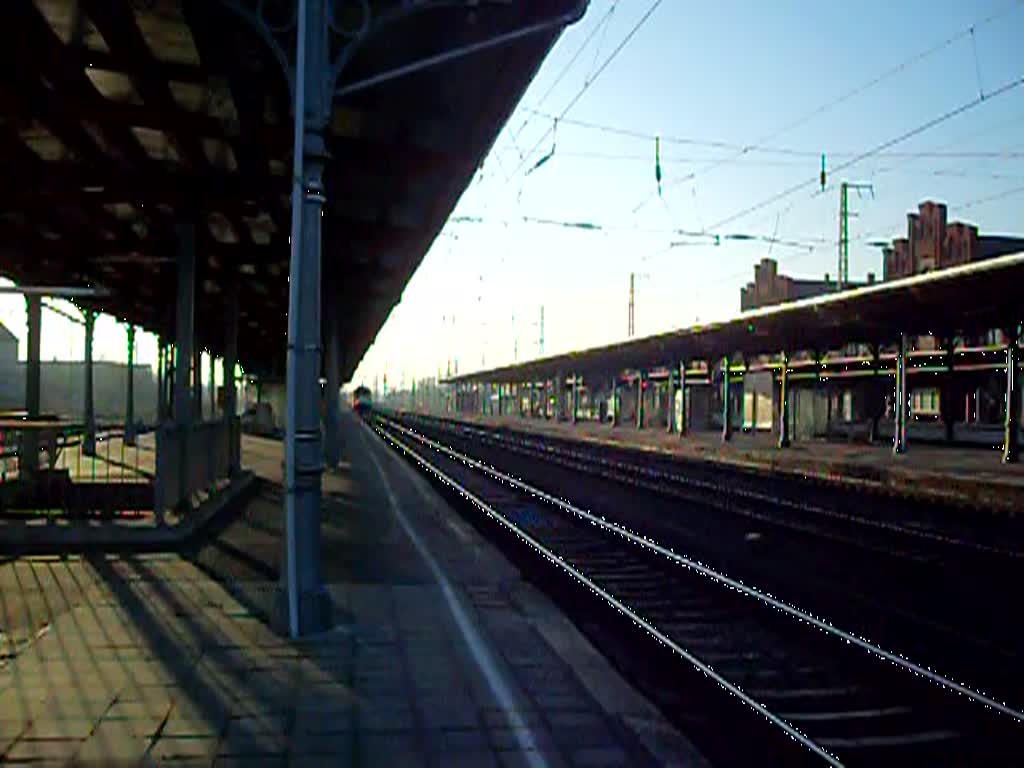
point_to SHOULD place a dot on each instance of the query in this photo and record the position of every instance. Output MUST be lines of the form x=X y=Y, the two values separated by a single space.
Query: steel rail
x=755 y=496
x=790 y=730
x=735 y=584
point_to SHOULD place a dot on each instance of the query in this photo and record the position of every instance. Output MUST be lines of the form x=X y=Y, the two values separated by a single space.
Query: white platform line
x=485 y=661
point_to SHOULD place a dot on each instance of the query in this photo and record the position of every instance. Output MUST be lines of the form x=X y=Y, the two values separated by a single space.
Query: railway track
x=933 y=595
x=921 y=530
x=810 y=691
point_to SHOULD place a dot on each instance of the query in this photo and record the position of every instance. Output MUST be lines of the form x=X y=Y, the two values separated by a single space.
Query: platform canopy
x=959 y=300
x=121 y=117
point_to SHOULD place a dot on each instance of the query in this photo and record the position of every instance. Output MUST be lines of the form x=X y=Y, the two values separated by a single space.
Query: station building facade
x=971 y=401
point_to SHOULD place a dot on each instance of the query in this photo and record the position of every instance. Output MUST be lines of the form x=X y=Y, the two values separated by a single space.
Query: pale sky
x=738 y=73
x=788 y=80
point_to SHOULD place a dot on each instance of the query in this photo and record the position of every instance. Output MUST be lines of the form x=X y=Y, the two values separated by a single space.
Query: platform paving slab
x=159 y=659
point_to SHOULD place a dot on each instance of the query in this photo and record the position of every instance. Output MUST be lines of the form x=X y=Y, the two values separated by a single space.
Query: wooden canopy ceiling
x=121 y=118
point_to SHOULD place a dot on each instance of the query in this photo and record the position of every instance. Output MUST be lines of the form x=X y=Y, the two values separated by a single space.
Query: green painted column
x=899 y=441
x=89 y=441
x=615 y=401
x=670 y=400
x=129 y=419
x=878 y=395
x=1011 y=432
x=640 y=400
x=683 y=421
x=784 y=402
x=28 y=454
x=726 y=402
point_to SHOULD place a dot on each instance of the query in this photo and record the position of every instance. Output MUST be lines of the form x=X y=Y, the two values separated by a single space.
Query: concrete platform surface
x=441 y=654
x=965 y=476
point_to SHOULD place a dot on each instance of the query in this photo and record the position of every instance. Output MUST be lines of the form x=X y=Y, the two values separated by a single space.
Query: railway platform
x=116 y=485
x=964 y=477
x=440 y=653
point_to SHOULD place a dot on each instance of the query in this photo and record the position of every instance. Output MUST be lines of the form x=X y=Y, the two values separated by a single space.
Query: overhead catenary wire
x=988 y=199
x=724 y=145
x=1005 y=153
x=601 y=24
x=969 y=31
x=965 y=107
x=597 y=74
x=952 y=172
x=877 y=232
x=708 y=238
x=600 y=43
x=766 y=163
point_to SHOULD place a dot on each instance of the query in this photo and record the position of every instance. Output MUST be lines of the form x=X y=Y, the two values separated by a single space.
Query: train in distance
x=362 y=400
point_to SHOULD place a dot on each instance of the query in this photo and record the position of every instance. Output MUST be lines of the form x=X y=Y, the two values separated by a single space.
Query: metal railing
x=63 y=478
x=192 y=461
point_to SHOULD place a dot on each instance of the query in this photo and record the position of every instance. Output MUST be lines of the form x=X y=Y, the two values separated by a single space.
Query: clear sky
x=736 y=73
x=710 y=79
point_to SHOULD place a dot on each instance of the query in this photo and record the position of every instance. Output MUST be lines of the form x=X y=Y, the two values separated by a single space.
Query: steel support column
x=670 y=400
x=784 y=401
x=899 y=441
x=89 y=440
x=230 y=388
x=640 y=400
x=877 y=395
x=28 y=456
x=615 y=401
x=561 y=399
x=1011 y=431
x=332 y=414
x=683 y=420
x=184 y=323
x=129 y=409
x=301 y=588
x=213 y=386
x=170 y=351
x=948 y=392
x=197 y=382
x=160 y=364
x=726 y=402
x=574 y=395
x=183 y=396
x=743 y=402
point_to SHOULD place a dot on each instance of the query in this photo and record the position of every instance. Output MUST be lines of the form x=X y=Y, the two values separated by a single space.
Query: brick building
x=933 y=243
x=769 y=287
x=974 y=399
